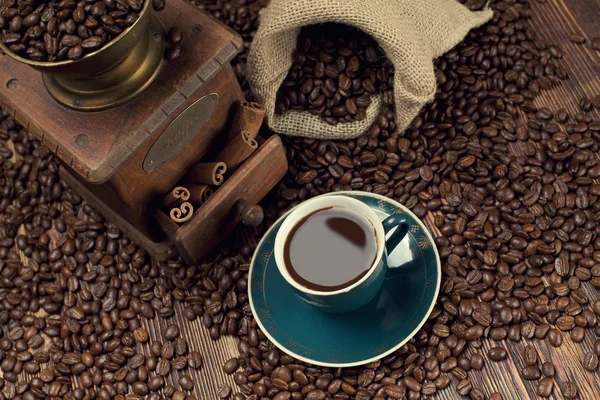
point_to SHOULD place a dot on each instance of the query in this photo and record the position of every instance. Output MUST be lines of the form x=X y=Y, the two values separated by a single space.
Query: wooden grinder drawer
x=218 y=216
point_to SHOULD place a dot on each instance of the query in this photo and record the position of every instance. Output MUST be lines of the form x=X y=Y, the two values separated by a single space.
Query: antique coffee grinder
x=138 y=134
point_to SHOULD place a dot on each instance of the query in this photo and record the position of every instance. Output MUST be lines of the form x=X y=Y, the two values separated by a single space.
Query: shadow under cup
x=349 y=297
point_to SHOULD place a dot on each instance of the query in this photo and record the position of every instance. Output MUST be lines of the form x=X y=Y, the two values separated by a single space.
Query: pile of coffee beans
x=77 y=297
x=335 y=72
x=514 y=196
x=513 y=191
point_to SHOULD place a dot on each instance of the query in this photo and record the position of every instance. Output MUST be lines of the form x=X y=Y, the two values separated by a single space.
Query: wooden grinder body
x=134 y=192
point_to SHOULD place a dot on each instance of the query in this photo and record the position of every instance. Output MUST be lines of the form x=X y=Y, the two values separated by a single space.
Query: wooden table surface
x=554 y=20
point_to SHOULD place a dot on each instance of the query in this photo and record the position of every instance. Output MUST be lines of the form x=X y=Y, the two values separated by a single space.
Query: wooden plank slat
x=553 y=21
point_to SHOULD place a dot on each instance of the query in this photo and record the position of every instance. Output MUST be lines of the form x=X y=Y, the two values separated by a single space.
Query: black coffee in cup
x=330 y=249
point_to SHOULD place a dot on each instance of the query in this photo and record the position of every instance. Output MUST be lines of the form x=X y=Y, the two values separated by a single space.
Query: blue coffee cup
x=364 y=290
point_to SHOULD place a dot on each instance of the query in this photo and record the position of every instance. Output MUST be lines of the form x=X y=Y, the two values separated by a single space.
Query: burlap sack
x=411 y=32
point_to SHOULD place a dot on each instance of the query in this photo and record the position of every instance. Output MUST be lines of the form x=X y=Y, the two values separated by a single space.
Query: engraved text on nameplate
x=181 y=131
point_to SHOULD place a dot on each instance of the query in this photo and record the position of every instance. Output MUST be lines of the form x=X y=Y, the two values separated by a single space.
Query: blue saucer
x=382 y=326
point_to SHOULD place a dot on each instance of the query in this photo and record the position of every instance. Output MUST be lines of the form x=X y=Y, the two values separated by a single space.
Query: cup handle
x=401 y=222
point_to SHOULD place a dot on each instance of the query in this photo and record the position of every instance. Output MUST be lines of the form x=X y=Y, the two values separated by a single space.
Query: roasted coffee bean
x=477 y=361
x=231 y=366
x=497 y=354
x=395 y=391
x=140 y=335
x=590 y=361
x=577 y=334
x=530 y=355
x=569 y=390
x=542 y=330
x=596 y=44
x=180 y=394
x=411 y=383
x=548 y=369
x=530 y=373
x=174 y=35
x=158 y=5
x=224 y=391
x=172 y=332
x=464 y=387
x=528 y=330
x=92 y=43
x=477 y=394
x=498 y=334
x=577 y=38
x=565 y=323
x=178 y=363
x=173 y=52
x=186 y=383
x=140 y=388
x=285 y=395
x=442 y=382
x=163 y=367
x=596 y=307
x=181 y=346
x=156 y=383
x=441 y=330
x=168 y=351
x=545 y=387
x=195 y=360
x=585 y=104
x=555 y=338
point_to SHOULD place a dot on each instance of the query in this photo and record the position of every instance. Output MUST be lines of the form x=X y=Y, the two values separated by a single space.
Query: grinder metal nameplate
x=181 y=131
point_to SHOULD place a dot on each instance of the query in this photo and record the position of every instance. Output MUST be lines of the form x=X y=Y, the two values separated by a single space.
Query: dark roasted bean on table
x=518 y=242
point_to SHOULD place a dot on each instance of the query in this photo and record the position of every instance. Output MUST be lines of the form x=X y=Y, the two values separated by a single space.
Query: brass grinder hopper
x=110 y=76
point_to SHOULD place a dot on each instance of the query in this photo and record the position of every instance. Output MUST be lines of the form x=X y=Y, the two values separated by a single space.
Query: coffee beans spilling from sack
x=336 y=70
x=411 y=34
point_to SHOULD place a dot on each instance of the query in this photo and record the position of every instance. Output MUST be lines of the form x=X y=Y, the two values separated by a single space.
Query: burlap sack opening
x=412 y=33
